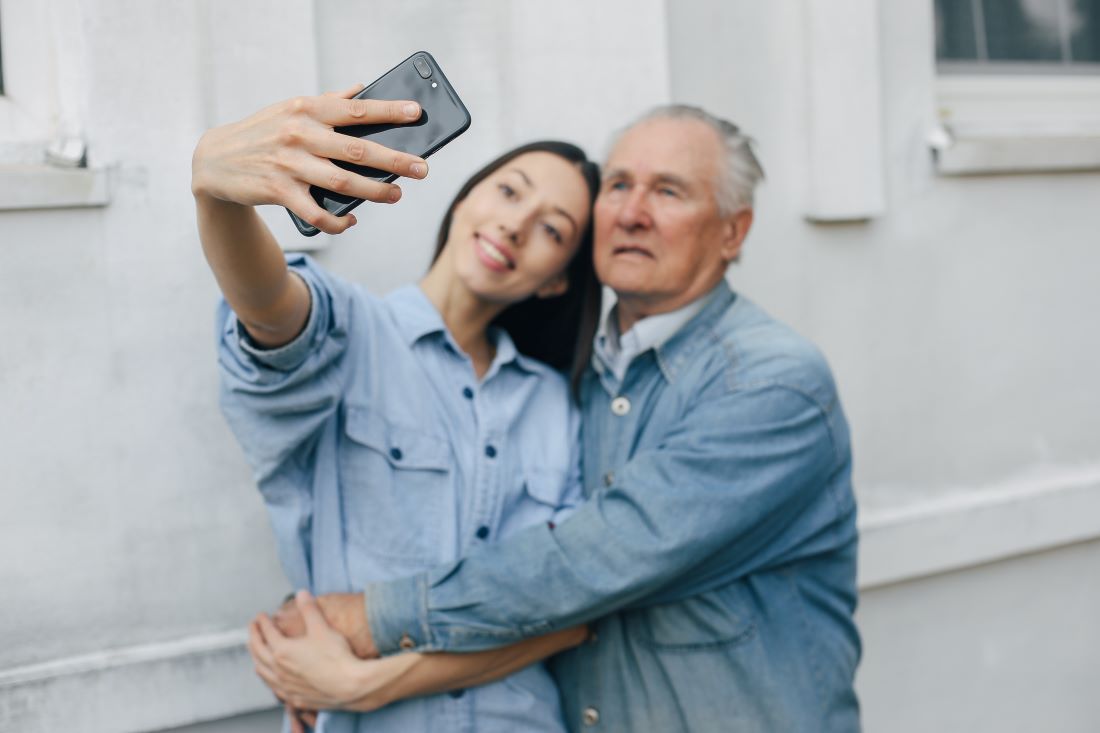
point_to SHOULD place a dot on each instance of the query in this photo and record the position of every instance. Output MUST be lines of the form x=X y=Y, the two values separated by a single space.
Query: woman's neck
x=466 y=316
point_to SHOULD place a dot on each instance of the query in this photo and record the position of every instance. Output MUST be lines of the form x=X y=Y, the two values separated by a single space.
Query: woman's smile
x=493 y=254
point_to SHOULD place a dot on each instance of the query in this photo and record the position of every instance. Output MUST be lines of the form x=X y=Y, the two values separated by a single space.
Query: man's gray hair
x=740 y=170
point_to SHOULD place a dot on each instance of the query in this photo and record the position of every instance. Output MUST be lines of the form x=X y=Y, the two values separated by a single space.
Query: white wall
x=958 y=322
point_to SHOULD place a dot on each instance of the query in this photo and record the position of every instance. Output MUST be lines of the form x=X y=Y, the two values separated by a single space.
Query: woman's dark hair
x=557 y=330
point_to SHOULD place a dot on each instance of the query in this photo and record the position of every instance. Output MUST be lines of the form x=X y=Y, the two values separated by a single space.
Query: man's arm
x=722 y=491
x=317 y=670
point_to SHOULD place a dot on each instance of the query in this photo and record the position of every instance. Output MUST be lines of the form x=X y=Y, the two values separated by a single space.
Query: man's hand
x=301 y=721
x=344 y=612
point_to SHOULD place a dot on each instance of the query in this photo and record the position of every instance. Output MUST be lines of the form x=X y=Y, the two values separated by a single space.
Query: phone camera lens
x=422 y=67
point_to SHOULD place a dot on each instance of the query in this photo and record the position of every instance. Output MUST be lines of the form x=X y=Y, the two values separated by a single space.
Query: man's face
x=660 y=241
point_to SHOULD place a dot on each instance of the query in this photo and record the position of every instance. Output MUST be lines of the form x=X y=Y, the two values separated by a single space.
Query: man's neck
x=630 y=310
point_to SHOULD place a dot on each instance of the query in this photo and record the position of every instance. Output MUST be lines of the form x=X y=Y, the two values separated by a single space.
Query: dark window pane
x=1023 y=30
x=1084 y=26
x=955 y=37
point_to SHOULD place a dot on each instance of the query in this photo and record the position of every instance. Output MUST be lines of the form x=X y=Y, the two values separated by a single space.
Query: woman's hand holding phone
x=275 y=155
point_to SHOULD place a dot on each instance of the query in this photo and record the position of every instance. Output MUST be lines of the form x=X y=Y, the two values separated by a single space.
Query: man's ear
x=555 y=287
x=734 y=231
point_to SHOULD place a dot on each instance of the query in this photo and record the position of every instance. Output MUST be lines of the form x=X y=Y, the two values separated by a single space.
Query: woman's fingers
x=337 y=111
x=301 y=203
x=263 y=661
x=350 y=149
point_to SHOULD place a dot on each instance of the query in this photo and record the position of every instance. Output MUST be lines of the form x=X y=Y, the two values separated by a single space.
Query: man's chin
x=627 y=277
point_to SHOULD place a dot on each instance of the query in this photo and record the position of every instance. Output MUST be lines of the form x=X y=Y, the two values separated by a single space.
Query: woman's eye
x=507 y=190
x=553 y=232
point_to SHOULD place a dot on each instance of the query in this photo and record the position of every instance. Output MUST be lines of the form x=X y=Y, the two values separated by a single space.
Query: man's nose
x=634 y=213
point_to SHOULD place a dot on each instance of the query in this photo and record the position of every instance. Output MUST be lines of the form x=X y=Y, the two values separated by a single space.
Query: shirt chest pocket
x=712 y=620
x=538 y=498
x=396 y=487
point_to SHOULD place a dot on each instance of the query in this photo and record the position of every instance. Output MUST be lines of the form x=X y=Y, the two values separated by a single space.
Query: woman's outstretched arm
x=273 y=157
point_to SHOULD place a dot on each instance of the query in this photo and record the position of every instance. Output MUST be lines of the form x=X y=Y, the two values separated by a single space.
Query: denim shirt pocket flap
x=403 y=447
x=544 y=485
x=701 y=622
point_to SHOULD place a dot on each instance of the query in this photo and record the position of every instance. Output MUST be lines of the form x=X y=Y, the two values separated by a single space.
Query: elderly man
x=715 y=557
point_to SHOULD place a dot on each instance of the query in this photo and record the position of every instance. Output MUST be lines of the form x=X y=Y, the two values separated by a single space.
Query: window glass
x=1018 y=35
x=1085 y=31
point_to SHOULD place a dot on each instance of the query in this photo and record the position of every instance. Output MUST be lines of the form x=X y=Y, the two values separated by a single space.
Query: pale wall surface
x=957 y=321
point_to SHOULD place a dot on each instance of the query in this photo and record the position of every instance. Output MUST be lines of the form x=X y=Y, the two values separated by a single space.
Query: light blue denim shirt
x=716 y=553
x=379 y=454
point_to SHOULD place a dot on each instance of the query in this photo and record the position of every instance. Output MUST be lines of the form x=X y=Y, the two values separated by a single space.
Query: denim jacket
x=715 y=555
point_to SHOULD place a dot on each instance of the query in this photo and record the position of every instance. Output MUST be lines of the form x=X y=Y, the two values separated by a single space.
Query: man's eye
x=617 y=186
x=668 y=192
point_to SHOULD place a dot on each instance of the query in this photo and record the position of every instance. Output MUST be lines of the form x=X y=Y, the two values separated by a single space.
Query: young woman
x=388 y=435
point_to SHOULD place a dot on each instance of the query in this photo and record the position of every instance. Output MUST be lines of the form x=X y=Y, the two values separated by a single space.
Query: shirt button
x=482 y=532
x=490 y=451
x=395 y=454
x=608 y=478
x=406 y=642
x=457 y=693
x=620 y=406
x=591 y=716
x=467 y=393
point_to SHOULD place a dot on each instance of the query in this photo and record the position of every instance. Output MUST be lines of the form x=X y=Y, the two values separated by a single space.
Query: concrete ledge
x=141 y=688
x=971 y=528
x=45 y=187
x=1038 y=154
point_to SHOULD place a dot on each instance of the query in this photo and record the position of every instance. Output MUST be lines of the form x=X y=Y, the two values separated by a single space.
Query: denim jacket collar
x=677 y=351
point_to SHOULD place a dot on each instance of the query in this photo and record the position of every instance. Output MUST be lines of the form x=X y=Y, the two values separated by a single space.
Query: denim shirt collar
x=417 y=317
x=676 y=351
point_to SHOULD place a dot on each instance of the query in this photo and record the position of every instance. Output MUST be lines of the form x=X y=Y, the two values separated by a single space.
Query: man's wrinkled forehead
x=674 y=150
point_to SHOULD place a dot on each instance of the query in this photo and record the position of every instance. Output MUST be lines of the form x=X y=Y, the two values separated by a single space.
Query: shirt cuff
x=397 y=613
x=290 y=355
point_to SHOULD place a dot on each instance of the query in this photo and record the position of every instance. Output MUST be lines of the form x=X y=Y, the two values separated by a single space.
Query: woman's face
x=516 y=231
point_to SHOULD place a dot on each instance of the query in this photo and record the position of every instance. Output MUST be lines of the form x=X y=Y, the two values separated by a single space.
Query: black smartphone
x=443 y=117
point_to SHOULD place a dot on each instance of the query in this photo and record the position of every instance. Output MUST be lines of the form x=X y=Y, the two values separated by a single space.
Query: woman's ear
x=555 y=287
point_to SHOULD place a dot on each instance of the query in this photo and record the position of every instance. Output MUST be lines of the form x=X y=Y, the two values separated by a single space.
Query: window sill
x=31 y=186
x=977 y=154
x=1017 y=124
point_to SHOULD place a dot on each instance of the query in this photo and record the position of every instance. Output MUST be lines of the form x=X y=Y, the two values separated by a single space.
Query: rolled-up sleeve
x=276 y=399
x=735 y=487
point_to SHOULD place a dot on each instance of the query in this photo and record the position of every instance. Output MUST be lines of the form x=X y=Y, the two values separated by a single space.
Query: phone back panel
x=443 y=118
